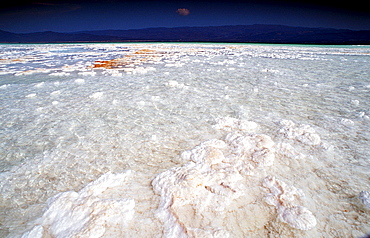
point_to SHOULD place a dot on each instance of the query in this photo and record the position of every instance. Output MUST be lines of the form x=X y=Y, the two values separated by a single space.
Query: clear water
x=71 y=113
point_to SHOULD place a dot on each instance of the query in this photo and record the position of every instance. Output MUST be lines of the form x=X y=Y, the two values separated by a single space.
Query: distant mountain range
x=241 y=33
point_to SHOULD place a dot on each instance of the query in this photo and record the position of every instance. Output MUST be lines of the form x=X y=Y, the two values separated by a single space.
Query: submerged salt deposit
x=184 y=140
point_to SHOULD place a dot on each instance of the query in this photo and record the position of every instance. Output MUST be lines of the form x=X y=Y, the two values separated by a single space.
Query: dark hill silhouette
x=242 y=33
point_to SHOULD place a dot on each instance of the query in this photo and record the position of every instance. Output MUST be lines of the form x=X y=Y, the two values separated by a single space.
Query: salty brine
x=184 y=140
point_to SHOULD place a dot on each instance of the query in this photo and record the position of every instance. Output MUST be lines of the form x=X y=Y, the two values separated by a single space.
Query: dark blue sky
x=68 y=16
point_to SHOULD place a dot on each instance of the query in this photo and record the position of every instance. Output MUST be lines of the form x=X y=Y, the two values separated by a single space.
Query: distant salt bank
x=184 y=140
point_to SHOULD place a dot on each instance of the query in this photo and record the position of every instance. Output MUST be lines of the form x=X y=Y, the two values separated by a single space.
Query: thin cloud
x=183 y=11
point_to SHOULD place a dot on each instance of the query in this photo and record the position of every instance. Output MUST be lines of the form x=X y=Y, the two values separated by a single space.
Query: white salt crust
x=233 y=124
x=97 y=121
x=205 y=187
x=303 y=133
x=194 y=199
x=87 y=213
x=284 y=197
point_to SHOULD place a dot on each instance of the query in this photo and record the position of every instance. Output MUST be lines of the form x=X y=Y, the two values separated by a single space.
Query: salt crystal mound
x=232 y=124
x=283 y=197
x=96 y=95
x=303 y=133
x=59 y=74
x=194 y=198
x=87 y=213
x=298 y=217
x=175 y=84
x=80 y=81
x=347 y=122
x=250 y=152
x=365 y=198
x=287 y=150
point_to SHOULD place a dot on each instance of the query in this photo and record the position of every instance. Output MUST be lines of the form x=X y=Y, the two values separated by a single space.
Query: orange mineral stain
x=138 y=57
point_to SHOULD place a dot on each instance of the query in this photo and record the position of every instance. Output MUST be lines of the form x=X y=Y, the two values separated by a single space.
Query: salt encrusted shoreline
x=222 y=140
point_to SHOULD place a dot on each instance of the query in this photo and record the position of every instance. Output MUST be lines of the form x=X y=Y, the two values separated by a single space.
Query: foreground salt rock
x=195 y=198
x=283 y=197
x=194 y=194
x=87 y=213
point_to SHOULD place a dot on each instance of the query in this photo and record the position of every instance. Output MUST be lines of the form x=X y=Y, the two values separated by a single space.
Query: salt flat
x=184 y=140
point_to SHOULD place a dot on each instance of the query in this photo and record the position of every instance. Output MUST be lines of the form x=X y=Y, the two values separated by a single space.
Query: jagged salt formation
x=196 y=196
x=233 y=124
x=283 y=196
x=303 y=133
x=91 y=212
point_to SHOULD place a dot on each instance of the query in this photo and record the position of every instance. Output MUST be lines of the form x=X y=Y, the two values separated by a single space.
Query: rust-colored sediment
x=137 y=57
x=144 y=51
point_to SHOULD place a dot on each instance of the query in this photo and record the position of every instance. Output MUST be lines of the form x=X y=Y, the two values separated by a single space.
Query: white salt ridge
x=284 y=197
x=5 y=72
x=97 y=95
x=347 y=122
x=31 y=95
x=303 y=133
x=91 y=212
x=39 y=85
x=28 y=72
x=195 y=198
x=195 y=190
x=87 y=73
x=138 y=70
x=355 y=102
x=59 y=74
x=207 y=185
x=288 y=150
x=233 y=124
x=174 y=65
x=174 y=84
x=114 y=73
x=79 y=81
x=298 y=217
x=251 y=151
x=55 y=93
